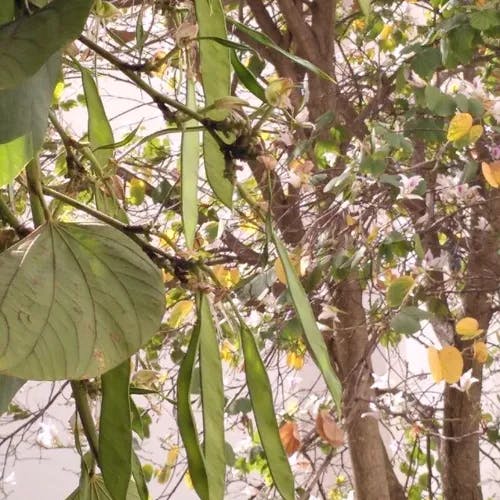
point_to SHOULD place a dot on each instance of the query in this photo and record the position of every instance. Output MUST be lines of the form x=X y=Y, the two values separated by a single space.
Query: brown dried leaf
x=289 y=434
x=328 y=430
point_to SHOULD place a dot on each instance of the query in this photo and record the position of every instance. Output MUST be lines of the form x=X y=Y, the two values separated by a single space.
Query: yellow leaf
x=295 y=260
x=435 y=364
x=459 y=127
x=491 y=172
x=227 y=351
x=475 y=132
x=137 y=191
x=280 y=271
x=226 y=277
x=180 y=312
x=480 y=352
x=278 y=91
x=295 y=360
x=359 y=24
x=188 y=481
x=452 y=364
x=468 y=328
x=386 y=32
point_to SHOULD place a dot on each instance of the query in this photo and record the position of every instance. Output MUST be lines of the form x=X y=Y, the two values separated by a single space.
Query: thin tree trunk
x=462 y=410
x=374 y=476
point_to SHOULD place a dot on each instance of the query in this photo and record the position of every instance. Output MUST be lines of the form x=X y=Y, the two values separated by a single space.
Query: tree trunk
x=462 y=410
x=372 y=469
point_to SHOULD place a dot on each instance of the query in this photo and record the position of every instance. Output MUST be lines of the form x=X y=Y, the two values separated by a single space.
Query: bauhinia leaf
x=99 y=129
x=27 y=107
x=75 y=301
x=115 y=431
x=398 y=290
x=190 y=159
x=212 y=394
x=445 y=364
x=265 y=417
x=27 y=42
x=185 y=419
x=306 y=316
x=215 y=71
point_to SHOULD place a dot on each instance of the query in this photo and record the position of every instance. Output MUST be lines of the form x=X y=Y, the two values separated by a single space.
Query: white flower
x=466 y=381
x=495 y=110
x=397 y=403
x=431 y=262
x=408 y=185
x=47 y=436
x=380 y=381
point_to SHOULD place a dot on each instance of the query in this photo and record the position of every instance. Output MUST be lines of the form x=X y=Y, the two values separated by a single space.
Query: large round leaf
x=75 y=301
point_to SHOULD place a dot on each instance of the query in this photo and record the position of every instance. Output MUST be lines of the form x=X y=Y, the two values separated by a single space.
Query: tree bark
x=462 y=410
x=372 y=469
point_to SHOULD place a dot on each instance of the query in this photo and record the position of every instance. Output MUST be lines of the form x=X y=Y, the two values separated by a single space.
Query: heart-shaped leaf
x=75 y=301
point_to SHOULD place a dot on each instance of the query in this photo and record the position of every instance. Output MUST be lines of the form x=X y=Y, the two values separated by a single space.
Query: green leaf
x=115 y=431
x=365 y=6
x=247 y=78
x=76 y=301
x=7 y=10
x=139 y=479
x=305 y=314
x=484 y=19
x=190 y=160
x=99 y=129
x=215 y=72
x=426 y=61
x=398 y=290
x=109 y=204
x=407 y=320
x=438 y=102
x=267 y=42
x=27 y=107
x=8 y=388
x=259 y=388
x=458 y=46
x=212 y=394
x=186 y=422
x=27 y=43
x=93 y=488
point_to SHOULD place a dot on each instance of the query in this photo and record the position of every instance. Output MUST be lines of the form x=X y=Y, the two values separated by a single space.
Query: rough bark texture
x=462 y=411
x=373 y=474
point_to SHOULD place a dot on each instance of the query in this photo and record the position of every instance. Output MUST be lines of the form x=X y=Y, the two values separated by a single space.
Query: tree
x=334 y=197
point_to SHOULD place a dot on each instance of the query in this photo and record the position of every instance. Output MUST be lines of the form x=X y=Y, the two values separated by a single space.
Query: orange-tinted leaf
x=480 y=352
x=328 y=430
x=289 y=434
x=294 y=360
x=491 y=172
